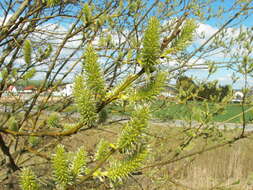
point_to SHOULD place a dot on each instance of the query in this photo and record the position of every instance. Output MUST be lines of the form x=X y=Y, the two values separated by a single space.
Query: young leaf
x=87 y=13
x=133 y=131
x=79 y=162
x=29 y=74
x=123 y=168
x=151 y=45
x=28 y=180
x=93 y=75
x=153 y=88
x=48 y=51
x=53 y=120
x=85 y=101
x=33 y=141
x=61 y=167
x=12 y=124
x=27 y=49
x=52 y=3
x=185 y=37
x=102 y=149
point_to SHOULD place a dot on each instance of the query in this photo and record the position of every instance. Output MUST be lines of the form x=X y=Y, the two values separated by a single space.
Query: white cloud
x=6 y=20
x=237 y=84
x=204 y=32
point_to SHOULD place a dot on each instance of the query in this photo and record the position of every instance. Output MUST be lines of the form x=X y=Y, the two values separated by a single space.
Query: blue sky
x=223 y=75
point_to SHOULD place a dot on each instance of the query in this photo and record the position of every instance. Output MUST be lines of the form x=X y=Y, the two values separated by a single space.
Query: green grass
x=167 y=111
x=232 y=110
x=170 y=111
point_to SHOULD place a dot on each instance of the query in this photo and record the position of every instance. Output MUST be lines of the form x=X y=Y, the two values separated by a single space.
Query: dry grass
x=218 y=169
x=226 y=168
x=221 y=167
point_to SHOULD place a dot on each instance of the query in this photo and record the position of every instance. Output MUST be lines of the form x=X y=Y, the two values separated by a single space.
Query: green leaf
x=212 y=68
x=93 y=74
x=236 y=182
x=53 y=120
x=28 y=180
x=61 y=167
x=123 y=168
x=133 y=132
x=185 y=37
x=87 y=13
x=103 y=148
x=29 y=74
x=34 y=141
x=27 y=49
x=79 y=162
x=151 y=45
x=52 y=3
x=48 y=51
x=153 y=88
x=12 y=124
x=84 y=98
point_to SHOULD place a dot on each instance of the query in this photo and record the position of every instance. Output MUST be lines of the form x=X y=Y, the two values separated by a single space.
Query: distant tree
x=190 y=90
x=186 y=87
x=213 y=92
x=226 y=91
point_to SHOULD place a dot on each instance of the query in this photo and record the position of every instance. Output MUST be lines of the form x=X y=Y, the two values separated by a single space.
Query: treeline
x=190 y=90
x=35 y=83
x=24 y=83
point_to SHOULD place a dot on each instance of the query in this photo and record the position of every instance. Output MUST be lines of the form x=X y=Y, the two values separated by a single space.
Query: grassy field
x=170 y=111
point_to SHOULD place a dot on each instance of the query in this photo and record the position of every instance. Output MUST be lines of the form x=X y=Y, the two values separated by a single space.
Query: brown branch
x=33 y=151
x=12 y=20
x=176 y=31
x=46 y=133
x=6 y=151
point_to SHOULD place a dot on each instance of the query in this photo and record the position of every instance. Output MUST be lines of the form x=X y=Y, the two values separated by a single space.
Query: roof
x=31 y=87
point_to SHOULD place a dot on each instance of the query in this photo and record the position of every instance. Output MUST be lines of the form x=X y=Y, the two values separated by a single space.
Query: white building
x=238 y=96
x=67 y=91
